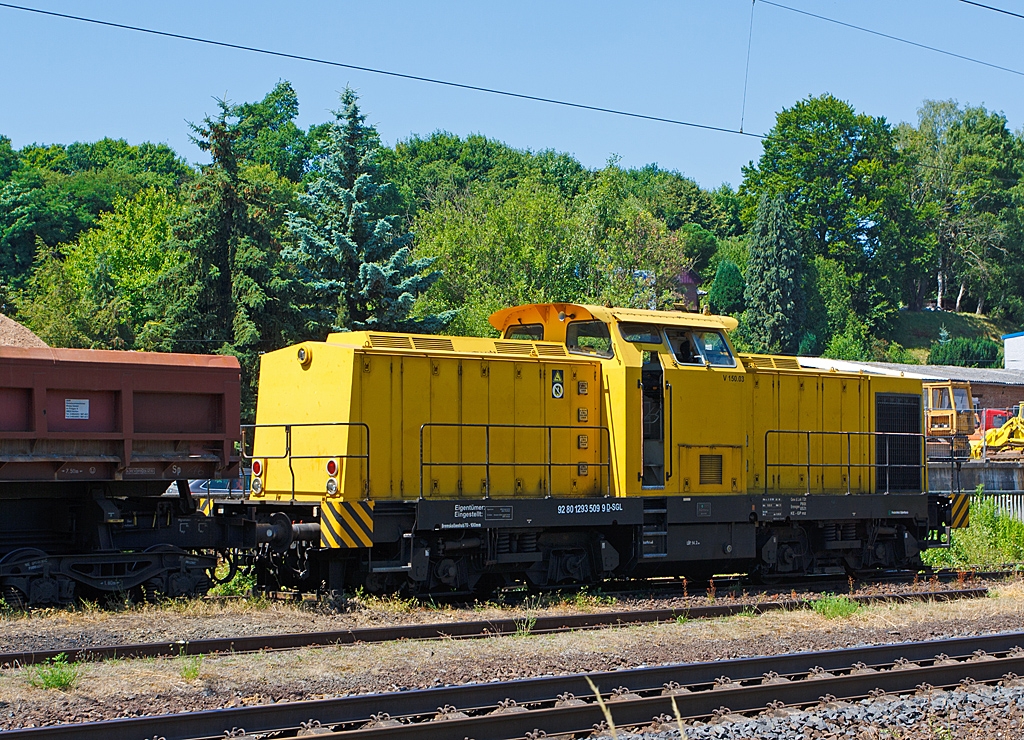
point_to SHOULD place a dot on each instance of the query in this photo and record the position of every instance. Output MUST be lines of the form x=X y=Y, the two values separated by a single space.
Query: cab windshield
x=694 y=347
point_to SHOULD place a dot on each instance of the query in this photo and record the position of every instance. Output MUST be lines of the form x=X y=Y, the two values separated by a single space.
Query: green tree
x=265 y=133
x=967 y=163
x=357 y=269
x=774 y=292
x=726 y=294
x=232 y=294
x=56 y=192
x=499 y=247
x=96 y=291
x=967 y=352
x=847 y=186
x=8 y=159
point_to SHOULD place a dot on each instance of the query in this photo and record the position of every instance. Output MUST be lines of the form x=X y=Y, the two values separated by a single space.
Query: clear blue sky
x=62 y=81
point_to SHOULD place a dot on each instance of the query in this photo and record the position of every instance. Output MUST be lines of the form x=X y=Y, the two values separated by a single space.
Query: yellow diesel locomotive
x=584 y=443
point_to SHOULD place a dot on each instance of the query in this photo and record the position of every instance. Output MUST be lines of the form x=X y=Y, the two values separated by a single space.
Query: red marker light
x=257 y=467
x=332 y=468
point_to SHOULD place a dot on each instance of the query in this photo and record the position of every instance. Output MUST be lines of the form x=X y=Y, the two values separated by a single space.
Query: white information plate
x=76 y=408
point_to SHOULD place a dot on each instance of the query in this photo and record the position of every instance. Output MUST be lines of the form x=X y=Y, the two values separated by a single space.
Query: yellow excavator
x=1004 y=441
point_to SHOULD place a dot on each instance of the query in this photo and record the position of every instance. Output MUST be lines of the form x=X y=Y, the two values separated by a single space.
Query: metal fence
x=1010 y=503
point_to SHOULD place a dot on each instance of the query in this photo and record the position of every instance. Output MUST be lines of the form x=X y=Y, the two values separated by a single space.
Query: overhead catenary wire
x=993 y=8
x=746 y=68
x=500 y=92
x=899 y=39
x=373 y=70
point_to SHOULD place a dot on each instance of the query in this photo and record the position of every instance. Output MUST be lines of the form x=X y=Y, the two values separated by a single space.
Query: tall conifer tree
x=233 y=294
x=726 y=294
x=355 y=263
x=774 y=293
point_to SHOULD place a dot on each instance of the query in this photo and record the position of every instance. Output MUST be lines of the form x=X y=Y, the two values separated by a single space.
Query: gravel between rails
x=149 y=686
x=970 y=712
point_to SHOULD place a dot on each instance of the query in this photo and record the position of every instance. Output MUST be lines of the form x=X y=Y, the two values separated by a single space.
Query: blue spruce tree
x=355 y=264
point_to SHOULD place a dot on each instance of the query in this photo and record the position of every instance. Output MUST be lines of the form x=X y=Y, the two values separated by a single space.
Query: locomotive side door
x=705 y=413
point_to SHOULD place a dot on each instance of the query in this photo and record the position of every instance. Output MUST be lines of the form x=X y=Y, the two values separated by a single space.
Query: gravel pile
x=13 y=334
x=970 y=711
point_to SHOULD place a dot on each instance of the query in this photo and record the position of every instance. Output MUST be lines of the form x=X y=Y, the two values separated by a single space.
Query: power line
x=496 y=91
x=746 y=69
x=919 y=45
x=372 y=70
x=991 y=7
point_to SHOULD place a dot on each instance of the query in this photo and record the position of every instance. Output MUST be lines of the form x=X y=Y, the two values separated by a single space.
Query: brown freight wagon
x=89 y=442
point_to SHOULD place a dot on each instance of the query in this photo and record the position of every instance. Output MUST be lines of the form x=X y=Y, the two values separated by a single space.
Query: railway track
x=565 y=704
x=451 y=630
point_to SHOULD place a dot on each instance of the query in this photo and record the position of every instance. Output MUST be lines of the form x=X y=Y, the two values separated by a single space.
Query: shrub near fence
x=995 y=536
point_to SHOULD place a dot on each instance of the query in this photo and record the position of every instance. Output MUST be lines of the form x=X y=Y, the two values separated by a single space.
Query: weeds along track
x=566 y=704
x=455 y=630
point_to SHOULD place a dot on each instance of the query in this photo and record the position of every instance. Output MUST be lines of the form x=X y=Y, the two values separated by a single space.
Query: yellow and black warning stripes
x=961 y=510
x=346 y=524
x=204 y=505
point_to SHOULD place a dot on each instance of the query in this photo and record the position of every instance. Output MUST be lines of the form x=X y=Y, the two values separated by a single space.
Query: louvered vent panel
x=513 y=348
x=786 y=363
x=432 y=343
x=390 y=340
x=551 y=350
x=749 y=361
x=711 y=470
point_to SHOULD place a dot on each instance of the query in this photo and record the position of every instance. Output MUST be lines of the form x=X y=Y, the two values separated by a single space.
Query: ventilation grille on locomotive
x=390 y=340
x=430 y=343
x=711 y=470
x=898 y=458
x=513 y=348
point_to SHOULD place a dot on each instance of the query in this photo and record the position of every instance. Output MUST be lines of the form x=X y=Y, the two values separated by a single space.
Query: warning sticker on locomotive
x=557 y=383
x=76 y=408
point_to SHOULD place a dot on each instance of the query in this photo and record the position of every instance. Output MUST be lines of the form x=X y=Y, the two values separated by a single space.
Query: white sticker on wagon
x=76 y=408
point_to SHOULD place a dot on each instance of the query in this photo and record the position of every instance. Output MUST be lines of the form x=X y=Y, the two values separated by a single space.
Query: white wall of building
x=1013 y=351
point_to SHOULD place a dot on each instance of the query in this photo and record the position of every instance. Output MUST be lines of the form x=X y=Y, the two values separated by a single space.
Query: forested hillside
x=844 y=221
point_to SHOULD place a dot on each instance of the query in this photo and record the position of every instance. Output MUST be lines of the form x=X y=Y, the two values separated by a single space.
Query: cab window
x=530 y=332
x=683 y=347
x=640 y=333
x=712 y=345
x=960 y=398
x=940 y=398
x=589 y=338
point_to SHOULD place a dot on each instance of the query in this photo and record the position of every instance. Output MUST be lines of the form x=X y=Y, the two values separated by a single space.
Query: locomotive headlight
x=332 y=487
x=257 y=487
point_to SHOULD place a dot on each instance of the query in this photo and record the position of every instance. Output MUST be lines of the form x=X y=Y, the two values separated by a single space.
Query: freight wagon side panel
x=100 y=415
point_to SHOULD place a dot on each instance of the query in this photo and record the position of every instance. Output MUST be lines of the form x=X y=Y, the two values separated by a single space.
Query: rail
x=287 y=454
x=548 y=463
x=808 y=465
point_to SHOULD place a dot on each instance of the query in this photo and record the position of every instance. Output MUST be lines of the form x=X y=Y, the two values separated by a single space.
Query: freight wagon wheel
x=24 y=563
x=15 y=598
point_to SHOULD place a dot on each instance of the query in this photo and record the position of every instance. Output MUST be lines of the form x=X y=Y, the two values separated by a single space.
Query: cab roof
x=549 y=313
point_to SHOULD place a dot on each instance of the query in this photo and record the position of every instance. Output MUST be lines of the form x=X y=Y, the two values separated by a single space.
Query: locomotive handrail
x=287 y=455
x=487 y=464
x=849 y=464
